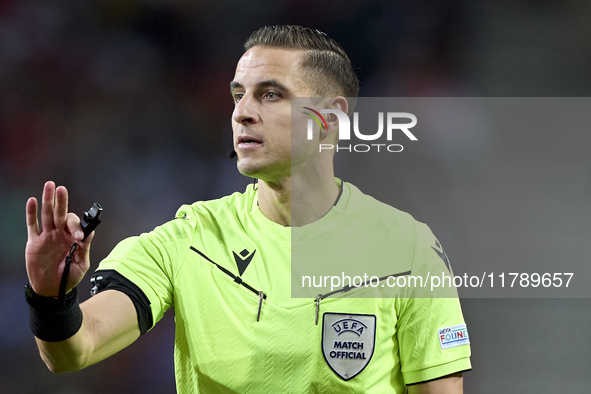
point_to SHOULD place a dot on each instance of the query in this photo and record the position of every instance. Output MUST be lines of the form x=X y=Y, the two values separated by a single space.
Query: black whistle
x=88 y=222
x=91 y=219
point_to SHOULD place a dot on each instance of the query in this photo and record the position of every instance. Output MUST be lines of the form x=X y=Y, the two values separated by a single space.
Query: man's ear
x=340 y=103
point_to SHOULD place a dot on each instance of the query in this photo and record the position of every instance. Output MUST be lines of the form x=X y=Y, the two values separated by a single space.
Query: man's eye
x=271 y=95
x=237 y=97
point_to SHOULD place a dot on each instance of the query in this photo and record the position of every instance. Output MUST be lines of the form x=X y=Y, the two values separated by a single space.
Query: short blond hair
x=329 y=68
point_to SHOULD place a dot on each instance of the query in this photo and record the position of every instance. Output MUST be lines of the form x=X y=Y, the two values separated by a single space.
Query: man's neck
x=297 y=200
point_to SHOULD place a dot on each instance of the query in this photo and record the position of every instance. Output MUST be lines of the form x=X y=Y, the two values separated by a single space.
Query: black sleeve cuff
x=113 y=280
x=440 y=377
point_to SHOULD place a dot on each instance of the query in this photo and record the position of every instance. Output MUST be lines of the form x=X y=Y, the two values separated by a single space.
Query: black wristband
x=51 y=319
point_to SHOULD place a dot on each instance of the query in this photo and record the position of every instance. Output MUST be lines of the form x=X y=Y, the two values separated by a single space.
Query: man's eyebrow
x=273 y=83
x=263 y=84
x=235 y=85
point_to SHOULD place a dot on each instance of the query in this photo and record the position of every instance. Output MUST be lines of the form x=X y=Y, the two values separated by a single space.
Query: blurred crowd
x=127 y=104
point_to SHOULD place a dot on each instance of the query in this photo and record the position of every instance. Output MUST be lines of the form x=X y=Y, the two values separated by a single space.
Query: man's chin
x=263 y=172
x=249 y=169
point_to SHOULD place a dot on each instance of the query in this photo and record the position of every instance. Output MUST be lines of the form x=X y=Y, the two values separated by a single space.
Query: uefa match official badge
x=348 y=342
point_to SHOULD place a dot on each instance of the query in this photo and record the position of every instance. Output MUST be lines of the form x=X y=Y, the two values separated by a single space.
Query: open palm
x=48 y=245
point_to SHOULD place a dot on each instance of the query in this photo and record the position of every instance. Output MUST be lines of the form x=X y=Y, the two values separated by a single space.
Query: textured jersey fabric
x=226 y=270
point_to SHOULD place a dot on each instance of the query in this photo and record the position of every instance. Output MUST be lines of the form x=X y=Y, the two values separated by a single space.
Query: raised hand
x=48 y=247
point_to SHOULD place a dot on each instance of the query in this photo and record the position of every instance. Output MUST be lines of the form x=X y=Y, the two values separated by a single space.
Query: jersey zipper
x=262 y=296
x=345 y=289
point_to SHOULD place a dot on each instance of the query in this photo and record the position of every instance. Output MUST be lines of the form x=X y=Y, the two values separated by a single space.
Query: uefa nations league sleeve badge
x=348 y=342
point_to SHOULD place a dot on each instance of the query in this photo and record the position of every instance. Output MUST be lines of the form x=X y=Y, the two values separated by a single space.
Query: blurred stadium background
x=127 y=104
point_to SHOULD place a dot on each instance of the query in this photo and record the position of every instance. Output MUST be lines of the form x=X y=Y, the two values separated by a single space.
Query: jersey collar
x=331 y=216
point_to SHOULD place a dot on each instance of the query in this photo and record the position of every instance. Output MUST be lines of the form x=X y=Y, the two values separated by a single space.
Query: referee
x=224 y=265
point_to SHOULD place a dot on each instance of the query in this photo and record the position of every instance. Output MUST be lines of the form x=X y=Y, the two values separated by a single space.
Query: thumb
x=84 y=245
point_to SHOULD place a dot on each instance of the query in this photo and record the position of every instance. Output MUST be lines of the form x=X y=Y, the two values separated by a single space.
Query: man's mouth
x=246 y=141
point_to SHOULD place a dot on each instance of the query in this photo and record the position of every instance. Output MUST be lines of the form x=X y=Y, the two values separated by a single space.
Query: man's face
x=266 y=80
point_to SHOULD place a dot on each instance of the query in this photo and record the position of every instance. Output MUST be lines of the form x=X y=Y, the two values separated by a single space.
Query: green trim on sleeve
x=438 y=371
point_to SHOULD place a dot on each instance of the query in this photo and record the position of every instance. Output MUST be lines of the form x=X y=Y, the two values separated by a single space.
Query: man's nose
x=245 y=111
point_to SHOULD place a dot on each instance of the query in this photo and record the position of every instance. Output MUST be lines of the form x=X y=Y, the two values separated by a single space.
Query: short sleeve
x=148 y=261
x=432 y=335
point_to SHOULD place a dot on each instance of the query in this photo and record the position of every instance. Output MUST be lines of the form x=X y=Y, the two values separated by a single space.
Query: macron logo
x=243 y=260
